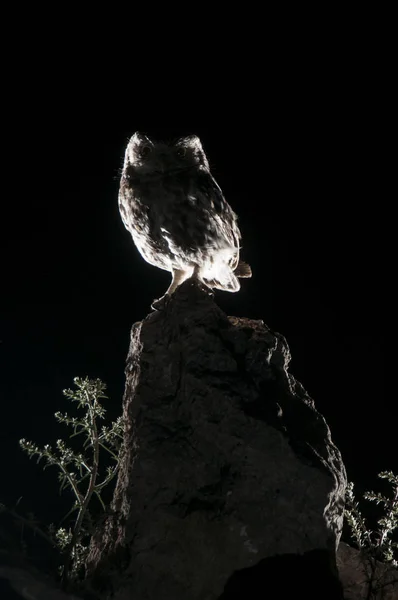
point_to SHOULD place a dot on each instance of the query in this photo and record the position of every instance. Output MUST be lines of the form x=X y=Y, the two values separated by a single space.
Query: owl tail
x=243 y=270
x=227 y=280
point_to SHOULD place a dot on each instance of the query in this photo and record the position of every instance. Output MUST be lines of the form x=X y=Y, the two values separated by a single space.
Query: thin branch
x=109 y=450
x=91 y=486
x=29 y=523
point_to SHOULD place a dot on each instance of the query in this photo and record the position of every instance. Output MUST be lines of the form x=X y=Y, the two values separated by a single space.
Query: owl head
x=147 y=156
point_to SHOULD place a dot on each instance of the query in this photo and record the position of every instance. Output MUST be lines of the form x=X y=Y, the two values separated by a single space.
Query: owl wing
x=224 y=217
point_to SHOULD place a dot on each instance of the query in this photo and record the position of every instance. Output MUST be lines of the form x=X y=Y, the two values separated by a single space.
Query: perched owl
x=177 y=214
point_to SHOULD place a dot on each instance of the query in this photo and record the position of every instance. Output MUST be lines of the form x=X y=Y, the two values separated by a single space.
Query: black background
x=300 y=145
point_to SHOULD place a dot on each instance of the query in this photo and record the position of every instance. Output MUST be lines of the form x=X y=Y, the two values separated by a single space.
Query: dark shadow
x=286 y=577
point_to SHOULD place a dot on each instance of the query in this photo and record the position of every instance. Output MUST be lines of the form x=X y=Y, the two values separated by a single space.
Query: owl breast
x=179 y=220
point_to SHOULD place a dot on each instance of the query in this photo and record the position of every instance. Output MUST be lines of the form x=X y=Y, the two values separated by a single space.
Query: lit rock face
x=229 y=478
x=363 y=577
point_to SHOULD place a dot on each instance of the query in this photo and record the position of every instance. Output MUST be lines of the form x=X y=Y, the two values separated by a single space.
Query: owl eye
x=145 y=151
x=181 y=152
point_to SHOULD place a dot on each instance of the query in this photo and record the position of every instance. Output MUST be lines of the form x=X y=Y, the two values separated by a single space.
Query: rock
x=358 y=573
x=228 y=476
x=25 y=582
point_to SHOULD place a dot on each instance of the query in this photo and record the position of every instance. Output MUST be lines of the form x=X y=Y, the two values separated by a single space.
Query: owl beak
x=163 y=162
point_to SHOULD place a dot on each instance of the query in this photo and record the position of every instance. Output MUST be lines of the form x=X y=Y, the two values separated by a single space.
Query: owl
x=177 y=215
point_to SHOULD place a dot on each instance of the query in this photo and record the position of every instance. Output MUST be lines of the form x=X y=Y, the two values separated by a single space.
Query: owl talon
x=206 y=289
x=160 y=303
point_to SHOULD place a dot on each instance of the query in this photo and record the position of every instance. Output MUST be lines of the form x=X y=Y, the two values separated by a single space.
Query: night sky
x=304 y=166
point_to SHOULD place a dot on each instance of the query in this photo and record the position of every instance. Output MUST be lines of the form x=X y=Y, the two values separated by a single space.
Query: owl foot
x=160 y=303
x=205 y=288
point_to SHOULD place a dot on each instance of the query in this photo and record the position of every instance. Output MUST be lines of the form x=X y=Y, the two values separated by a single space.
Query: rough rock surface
x=229 y=479
x=363 y=578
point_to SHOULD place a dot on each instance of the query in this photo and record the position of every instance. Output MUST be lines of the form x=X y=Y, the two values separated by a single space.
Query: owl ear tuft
x=191 y=141
x=136 y=142
x=139 y=138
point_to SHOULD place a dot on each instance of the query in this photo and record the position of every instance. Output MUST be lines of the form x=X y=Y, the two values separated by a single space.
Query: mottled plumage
x=177 y=214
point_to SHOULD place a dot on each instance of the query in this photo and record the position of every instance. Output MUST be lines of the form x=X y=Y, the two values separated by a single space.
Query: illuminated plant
x=80 y=471
x=378 y=544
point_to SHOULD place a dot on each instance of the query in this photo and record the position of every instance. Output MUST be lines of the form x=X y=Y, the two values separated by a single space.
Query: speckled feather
x=176 y=212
